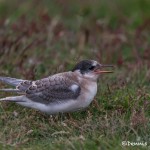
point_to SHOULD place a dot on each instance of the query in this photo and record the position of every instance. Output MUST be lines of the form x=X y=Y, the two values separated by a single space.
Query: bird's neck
x=78 y=76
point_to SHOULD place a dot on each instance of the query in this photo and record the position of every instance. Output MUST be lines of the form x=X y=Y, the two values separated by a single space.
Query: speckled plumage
x=55 y=88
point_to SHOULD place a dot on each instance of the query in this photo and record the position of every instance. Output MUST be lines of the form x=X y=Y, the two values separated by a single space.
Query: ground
x=38 y=39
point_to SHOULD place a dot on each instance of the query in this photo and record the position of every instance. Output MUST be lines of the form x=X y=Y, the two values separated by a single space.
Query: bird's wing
x=11 y=81
x=15 y=82
x=24 y=85
x=51 y=89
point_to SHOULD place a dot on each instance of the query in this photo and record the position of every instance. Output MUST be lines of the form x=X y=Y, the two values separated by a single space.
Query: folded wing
x=51 y=89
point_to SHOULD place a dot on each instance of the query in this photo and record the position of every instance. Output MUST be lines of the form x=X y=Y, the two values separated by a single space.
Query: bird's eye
x=91 y=68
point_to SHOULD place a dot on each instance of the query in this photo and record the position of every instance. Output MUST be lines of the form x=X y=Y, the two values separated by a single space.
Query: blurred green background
x=40 y=38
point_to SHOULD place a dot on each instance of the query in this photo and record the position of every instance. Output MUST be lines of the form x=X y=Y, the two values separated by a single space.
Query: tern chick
x=63 y=92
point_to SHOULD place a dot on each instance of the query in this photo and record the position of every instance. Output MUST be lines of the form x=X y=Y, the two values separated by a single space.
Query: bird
x=59 y=93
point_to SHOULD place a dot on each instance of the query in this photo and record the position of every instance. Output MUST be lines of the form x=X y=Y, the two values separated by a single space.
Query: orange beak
x=99 y=67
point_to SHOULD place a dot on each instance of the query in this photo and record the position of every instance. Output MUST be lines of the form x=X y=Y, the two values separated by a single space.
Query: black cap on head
x=84 y=66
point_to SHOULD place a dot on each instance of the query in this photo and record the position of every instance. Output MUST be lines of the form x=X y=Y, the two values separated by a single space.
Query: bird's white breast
x=88 y=94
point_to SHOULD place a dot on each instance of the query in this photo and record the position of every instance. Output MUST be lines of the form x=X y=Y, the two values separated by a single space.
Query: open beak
x=99 y=70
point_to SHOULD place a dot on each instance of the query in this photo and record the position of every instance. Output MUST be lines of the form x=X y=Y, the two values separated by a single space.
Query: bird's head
x=90 y=69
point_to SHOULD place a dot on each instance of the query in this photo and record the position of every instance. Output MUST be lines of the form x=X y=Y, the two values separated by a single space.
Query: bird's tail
x=9 y=90
x=13 y=99
x=11 y=81
x=24 y=101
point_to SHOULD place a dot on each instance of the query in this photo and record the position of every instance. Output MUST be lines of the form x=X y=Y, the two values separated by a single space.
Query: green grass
x=42 y=38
